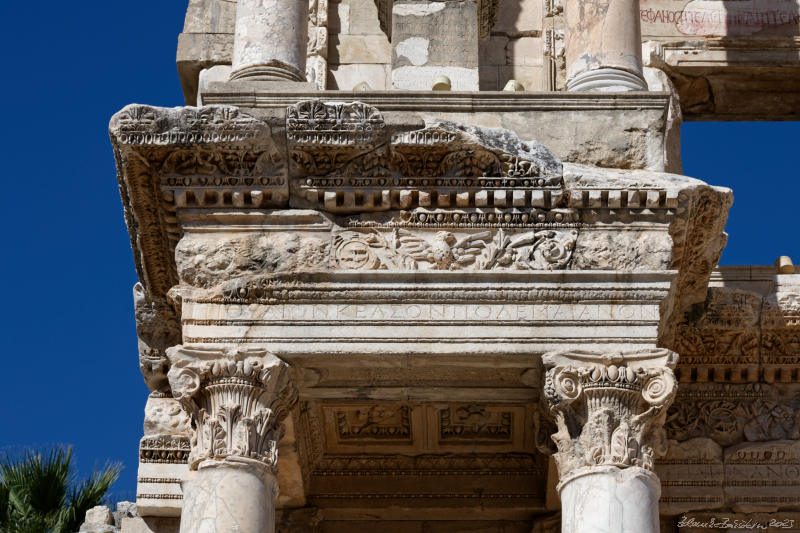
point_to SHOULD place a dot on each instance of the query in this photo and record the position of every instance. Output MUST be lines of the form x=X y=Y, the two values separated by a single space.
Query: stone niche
x=411 y=276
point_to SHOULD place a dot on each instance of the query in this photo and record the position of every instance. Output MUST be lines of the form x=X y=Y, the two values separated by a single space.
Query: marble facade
x=424 y=311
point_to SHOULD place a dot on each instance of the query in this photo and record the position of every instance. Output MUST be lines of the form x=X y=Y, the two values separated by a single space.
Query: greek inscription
x=446 y=312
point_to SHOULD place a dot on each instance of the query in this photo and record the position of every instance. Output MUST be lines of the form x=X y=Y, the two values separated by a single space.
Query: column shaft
x=603 y=40
x=270 y=40
x=610 y=499
x=230 y=495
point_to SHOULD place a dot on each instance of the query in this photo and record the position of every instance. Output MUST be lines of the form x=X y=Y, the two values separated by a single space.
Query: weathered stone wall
x=358 y=51
x=515 y=47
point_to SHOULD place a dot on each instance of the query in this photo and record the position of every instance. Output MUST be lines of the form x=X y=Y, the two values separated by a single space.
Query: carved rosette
x=609 y=409
x=236 y=400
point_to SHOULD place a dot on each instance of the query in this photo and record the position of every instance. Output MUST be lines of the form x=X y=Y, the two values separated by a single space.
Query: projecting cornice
x=448 y=197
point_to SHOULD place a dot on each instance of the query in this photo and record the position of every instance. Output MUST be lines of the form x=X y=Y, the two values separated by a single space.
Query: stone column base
x=606 y=80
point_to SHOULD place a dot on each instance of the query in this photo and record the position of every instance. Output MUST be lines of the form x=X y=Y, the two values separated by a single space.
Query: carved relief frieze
x=378 y=427
x=236 y=399
x=343 y=160
x=722 y=342
x=444 y=250
x=378 y=422
x=729 y=413
x=206 y=261
x=475 y=423
x=313 y=127
x=141 y=125
x=172 y=449
x=780 y=335
x=740 y=336
x=608 y=408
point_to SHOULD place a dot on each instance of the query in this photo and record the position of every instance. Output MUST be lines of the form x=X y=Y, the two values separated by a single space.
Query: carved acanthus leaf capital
x=609 y=408
x=236 y=399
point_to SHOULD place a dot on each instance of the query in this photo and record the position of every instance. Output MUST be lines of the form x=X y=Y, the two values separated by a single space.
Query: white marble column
x=608 y=411
x=237 y=400
x=270 y=40
x=603 y=42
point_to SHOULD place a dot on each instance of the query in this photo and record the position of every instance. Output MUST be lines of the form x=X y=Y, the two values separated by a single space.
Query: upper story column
x=603 y=40
x=270 y=40
x=609 y=411
x=237 y=400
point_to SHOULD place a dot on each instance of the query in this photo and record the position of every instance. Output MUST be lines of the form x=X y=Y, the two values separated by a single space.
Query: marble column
x=603 y=41
x=270 y=40
x=608 y=412
x=236 y=400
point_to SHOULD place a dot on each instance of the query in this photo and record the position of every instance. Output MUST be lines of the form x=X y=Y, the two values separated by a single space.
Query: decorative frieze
x=443 y=250
x=343 y=160
x=163 y=457
x=741 y=336
x=475 y=423
x=609 y=408
x=730 y=414
x=236 y=398
x=377 y=422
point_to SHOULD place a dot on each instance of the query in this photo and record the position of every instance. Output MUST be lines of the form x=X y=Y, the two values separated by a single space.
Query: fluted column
x=270 y=40
x=236 y=400
x=603 y=41
x=608 y=410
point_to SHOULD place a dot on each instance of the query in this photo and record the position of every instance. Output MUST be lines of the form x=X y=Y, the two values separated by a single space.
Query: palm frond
x=37 y=481
x=86 y=495
x=4 y=507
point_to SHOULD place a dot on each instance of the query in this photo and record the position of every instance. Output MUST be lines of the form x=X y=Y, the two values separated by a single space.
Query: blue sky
x=70 y=372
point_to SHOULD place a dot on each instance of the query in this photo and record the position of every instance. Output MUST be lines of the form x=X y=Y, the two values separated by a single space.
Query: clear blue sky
x=70 y=372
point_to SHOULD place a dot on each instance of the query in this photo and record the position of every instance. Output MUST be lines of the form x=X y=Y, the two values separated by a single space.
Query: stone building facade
x=369 y=305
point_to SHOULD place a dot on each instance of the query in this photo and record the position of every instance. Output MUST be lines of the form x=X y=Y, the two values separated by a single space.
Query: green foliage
x=39 y=492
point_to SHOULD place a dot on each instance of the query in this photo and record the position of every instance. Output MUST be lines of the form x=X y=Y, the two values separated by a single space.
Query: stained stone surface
x=431 y=39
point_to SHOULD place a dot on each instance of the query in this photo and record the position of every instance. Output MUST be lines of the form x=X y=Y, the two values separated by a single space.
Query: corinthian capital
x=236 y=399
x=609 y=408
